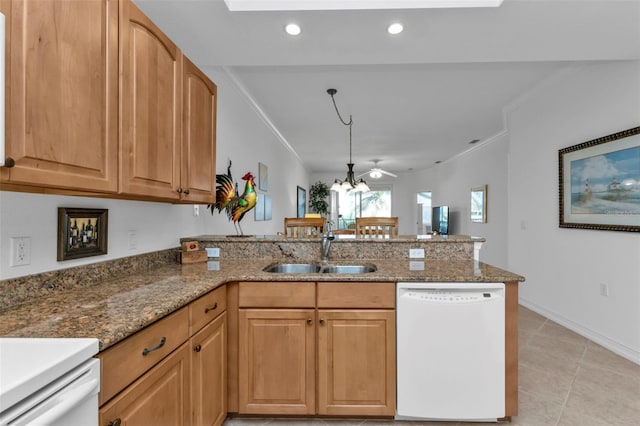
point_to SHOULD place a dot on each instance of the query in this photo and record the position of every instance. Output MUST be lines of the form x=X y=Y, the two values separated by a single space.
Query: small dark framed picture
x=82 y=232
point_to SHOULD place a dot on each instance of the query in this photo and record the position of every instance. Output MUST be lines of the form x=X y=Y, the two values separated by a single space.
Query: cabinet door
x=151 y=108
x=62 y=70
x=356 y=362
x=276 y=361
x=159 y=397
x=208 y=373
x=198 y=174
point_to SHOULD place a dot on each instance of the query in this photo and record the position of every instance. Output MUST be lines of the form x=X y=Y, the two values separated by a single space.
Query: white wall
x=564 y=267
x=451 y=183
x=241 y=136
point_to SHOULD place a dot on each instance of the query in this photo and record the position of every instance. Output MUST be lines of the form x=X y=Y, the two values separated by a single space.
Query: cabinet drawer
x=125 y=362
x=206 y=308
x=356 y=295
x=277 y=294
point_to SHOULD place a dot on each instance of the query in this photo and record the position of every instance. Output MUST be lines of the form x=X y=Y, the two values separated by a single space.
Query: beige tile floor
x=564 y=380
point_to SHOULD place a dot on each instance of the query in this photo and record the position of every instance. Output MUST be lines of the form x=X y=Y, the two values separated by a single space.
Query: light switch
x=416 y=253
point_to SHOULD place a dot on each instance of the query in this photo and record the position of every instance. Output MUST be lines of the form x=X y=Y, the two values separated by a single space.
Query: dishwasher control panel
x=445 y=296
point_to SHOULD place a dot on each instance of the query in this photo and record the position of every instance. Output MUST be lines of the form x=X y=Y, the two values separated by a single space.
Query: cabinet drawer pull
x=197 y=348
x=309 y=321
x=146 y=351
x=115 y=422
x=321 y=321
x=214 y=307
x=9 y=162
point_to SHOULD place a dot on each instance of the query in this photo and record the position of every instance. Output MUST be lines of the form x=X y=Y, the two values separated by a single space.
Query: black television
x=440 y=220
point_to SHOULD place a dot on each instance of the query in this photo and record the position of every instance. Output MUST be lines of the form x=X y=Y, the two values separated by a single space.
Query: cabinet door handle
x=146 y=351
x=179 y=190
x=115 y=422
x=186 y=191
x=197 y=348
x=9 y=162
x=309 y=321
x=213 y=308
x=321 y=321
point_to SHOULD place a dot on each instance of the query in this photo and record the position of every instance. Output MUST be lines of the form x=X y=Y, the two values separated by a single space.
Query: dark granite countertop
x=118 y=307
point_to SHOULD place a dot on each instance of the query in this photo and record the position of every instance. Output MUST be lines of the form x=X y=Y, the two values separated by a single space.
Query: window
x=375 y=203
x=424 y=212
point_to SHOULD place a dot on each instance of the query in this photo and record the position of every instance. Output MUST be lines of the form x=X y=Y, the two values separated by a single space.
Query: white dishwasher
x=450 y=351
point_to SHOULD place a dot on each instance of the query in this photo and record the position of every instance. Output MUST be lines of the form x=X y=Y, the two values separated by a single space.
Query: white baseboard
x=613 y=346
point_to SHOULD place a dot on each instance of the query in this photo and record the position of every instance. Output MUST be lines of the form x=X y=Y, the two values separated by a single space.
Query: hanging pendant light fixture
x=350 y=183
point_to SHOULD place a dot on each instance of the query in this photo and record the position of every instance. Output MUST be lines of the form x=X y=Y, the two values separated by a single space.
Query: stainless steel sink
x=348 y=269
x=293 y=268
x=313 y=268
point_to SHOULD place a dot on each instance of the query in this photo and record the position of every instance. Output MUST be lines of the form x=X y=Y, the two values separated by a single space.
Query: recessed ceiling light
x=293 y=29
x=395 y=28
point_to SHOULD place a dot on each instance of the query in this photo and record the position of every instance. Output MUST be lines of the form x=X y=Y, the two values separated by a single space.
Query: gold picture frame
x=599 y=183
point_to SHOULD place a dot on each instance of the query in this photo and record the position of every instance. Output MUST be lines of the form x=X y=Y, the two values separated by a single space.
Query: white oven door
x=70 y=400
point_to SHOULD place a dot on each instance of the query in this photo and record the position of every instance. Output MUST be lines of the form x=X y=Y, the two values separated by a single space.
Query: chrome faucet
x=327 y=237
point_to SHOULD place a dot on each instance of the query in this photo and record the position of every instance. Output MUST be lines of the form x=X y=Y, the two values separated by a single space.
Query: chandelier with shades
x=349 y=183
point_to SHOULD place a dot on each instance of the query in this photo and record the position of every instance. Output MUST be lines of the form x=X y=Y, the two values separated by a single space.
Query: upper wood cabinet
x=151 y=114
x=198 y=173
x=100 y=100
x=62 y=111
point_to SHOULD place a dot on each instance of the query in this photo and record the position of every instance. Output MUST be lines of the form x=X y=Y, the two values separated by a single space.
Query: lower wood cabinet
x=356 y=362
x=314 y=360
x=165 y=375
x=276 y=361
x=209 y=373
x=160 y=397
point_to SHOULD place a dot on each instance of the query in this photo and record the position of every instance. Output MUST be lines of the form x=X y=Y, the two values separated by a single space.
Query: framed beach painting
x=599 y=183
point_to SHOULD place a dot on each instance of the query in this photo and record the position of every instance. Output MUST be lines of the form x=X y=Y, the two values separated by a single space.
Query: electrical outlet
x=133 y=239
x=213 y=252
x=604 y=290
x=196 y=210
x=416 y=253
x=20 y=251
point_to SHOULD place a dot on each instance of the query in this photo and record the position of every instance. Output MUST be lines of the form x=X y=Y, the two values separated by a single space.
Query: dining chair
x=304 y=227
x=376 y=227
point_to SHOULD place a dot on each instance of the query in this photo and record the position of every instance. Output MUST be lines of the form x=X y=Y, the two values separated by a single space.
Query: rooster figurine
x=227 y=197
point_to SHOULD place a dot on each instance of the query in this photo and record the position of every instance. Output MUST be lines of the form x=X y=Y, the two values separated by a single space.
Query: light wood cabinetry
x=140 y=352
x=209 y=373
x=62 y=94
x=277 y=361
x=101 y=102
x=356 y=362
x=198 y=174
x=160 y=397
x=276 y=348
x=172 y=372
x=290 y=333
x=356 y=349
x=151 y=107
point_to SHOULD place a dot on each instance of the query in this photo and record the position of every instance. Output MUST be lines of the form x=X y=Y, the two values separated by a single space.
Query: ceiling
x=416 y=98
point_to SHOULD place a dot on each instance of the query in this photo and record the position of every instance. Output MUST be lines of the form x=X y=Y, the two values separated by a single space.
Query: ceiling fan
x=376 y=172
